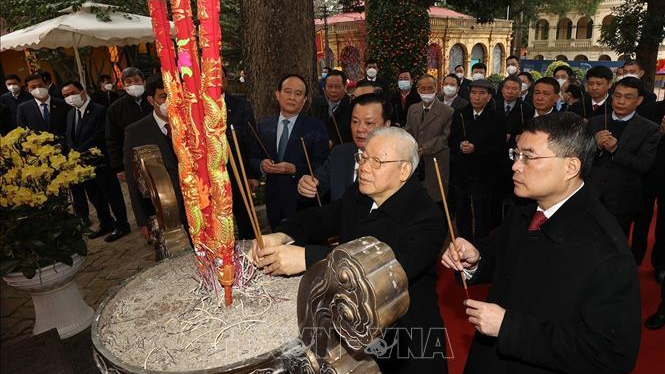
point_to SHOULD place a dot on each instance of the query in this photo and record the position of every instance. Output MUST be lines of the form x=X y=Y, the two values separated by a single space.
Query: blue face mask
x=324 y=75
x=404 y=85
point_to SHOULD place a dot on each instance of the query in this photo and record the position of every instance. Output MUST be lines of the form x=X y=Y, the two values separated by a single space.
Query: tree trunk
x=647 y=48
x=278 y=40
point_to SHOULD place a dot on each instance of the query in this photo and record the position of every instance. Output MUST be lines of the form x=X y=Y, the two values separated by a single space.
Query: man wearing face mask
x=527 y=87
x=152 y=129
x=371 y=71
x=634 y=68
x=513 y=65
x=322 y=81
x=406 y=97
x=44 y=113
x=477 y=140
x=86 y=122
x=105 y=95
x=450 y=93
x=562 y=74
x=464 y=82
x=429 y=123
x=13 y=98
x=123 y=112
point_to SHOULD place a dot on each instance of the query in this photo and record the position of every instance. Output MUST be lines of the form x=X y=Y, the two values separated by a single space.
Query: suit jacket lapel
x=429 y=117
x=629 y=131
x=294 y=137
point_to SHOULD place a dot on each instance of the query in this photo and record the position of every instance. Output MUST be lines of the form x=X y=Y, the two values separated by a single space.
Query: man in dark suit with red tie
x=44 y=113
x=597 y=103
x=86 y=123
x=285 y=162
x=564 y=295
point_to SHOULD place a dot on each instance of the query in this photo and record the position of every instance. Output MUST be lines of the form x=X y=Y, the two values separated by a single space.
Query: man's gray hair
x=131 y=72
x=408 y=147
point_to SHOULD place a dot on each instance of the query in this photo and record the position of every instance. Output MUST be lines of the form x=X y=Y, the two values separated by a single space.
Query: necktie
x=537 y=220
x=507 y=109
x=595 y=107
x=167 y=126
x=475 y=116
x=283 y=140
x=77 y=121
x=45 y=112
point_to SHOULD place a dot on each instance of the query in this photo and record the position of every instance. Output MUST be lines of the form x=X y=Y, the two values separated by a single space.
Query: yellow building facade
x=455 y=39
x=574 y=36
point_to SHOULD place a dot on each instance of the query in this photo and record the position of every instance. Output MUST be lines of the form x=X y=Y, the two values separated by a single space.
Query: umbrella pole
x=79 y=66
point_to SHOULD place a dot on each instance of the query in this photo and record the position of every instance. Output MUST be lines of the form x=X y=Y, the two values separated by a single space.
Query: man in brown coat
x=429 y=122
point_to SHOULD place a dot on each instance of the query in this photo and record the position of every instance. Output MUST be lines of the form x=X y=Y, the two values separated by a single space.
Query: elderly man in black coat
x=564 y=294
x=390 y=204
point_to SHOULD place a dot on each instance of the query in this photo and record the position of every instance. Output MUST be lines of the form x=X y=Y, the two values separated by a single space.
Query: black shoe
x=655 y=322
x=116 y=234
x=100 y=232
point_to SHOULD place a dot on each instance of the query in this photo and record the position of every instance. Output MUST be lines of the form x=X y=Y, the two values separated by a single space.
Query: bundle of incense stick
x=450 y=224
x=309 y=166
x=245 y=191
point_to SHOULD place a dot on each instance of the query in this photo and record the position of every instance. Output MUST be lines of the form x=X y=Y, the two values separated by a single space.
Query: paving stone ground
x=106 y=266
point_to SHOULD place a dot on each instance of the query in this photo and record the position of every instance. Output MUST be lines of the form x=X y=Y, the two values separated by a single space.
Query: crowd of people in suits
x=486 y=140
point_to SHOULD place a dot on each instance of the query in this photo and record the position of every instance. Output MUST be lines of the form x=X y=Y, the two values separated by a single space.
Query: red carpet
x=651 y=358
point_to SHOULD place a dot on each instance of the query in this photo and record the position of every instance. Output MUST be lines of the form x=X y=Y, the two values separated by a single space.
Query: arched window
x=584 y=28
x=457 y=57
x=608 y=19
x=542 y=29
x=581 y=58
x=564 y=29
x=478 y=54
x=604 y=58
x=497 y=58
x=561 y=58
x=538 y=57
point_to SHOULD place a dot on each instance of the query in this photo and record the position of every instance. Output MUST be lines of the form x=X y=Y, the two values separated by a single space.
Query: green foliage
x=536 y=75
x=632 y=24
x=495 y=79
x=397 y=36
x=549 y=72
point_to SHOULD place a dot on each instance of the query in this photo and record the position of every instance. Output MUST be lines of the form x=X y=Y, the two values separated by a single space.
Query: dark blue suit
x=104 y=190
x=29 y=115
x=281 y=189
x=336 y=173
x=8 y=99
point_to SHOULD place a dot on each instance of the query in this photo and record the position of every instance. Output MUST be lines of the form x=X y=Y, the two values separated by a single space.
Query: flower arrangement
x=36 y=227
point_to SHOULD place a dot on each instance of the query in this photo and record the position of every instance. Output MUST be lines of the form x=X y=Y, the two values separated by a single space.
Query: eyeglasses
x=619 y=96
x=516 y=155
x=374 y=162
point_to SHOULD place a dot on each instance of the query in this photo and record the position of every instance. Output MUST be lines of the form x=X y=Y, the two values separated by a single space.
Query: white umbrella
x=82 y=29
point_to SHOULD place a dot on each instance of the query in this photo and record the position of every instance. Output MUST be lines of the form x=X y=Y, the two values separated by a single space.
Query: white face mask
x=428 y=98
x=620 y=77
x=14 y=88
x=477 y=76
x=39 y=93
x=524 y=87
x=371 y=72
x=511 y=69
x=404 y=85
x=164 y=109
x=460 y=75
x=630 y=75
x=561 y=81
x=108 y=86
x=449 y=90
x=74 y=100
x=135 y=90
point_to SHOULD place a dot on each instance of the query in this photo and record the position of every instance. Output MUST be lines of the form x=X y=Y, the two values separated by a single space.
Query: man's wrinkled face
x=479 y=97
x=510 y=91
x=544 y=97
x=335 y=88
x=379 y=184
x=625 y=100
x=364 y=119
x=291 y=97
